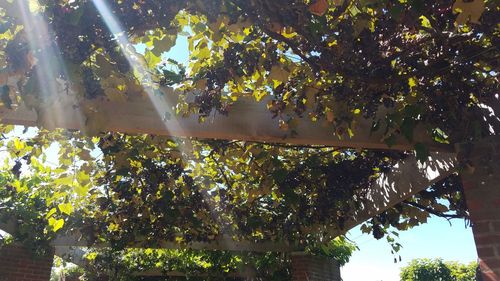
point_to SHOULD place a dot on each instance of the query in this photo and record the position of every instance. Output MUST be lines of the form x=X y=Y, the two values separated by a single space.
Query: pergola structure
x=255 y=123
x=153 y=113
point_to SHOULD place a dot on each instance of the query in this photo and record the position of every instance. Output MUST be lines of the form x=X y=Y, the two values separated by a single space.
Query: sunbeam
x=55 y=96
x=160 y=103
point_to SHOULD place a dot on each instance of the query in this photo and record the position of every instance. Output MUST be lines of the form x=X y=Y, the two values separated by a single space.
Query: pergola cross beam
x=248 y=120
x=406 y=179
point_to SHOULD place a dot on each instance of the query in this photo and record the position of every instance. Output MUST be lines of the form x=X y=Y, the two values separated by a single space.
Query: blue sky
x=436 y=239
x=374 y=261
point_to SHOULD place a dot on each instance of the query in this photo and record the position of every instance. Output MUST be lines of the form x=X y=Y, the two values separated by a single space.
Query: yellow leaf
x=152 y=60
x=412 y=82
x=288 y=32
x=66 y=208
x=113 y=227
x=81 y=190
x=51 y=212
x=18 y=144
x=425 y=22
x=20 y=186
x=65 y=180
x=34 y=6
x=56 y=224
x=91 y=256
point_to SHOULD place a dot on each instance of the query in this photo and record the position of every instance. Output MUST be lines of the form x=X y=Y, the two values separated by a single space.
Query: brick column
x=19 y=264
x=481 y=182
x=312 y=268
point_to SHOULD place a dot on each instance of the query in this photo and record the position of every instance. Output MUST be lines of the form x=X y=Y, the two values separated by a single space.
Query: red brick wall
x=482 y=193
x=484 y=209
x=20 y=264
x=311 y=268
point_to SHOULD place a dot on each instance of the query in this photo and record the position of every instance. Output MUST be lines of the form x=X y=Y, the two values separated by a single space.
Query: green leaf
x=407 y=128
x=5 y=97
x=151 y=59
x=422 y=152
x=440 y=136
x=279 y=175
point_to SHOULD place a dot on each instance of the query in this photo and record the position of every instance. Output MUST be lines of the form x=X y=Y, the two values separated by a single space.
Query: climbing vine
x=422 y=64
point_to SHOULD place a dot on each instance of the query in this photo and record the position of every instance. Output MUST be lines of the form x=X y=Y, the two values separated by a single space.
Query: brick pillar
x=313 y=268
x=481 y=182
x=19 y=264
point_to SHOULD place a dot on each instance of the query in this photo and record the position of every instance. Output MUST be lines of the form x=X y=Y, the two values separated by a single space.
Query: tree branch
x=432 y=211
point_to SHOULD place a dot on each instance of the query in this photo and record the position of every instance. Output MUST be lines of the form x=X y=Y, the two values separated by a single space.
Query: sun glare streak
x=49 y=68
x=161 y=105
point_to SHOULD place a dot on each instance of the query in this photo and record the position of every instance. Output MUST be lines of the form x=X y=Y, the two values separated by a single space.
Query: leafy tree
x=463 y=272
x=437 y=269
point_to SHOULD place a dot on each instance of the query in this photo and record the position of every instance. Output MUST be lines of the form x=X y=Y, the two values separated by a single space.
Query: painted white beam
x=405 y=180
x=248 y=120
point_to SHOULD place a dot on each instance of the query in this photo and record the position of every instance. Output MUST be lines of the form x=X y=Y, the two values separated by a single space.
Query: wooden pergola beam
x=405 y=180
x=222 y=244
x=248 y=120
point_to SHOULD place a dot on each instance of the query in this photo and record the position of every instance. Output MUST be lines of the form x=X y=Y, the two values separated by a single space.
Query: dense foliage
x=426 y=269
x=330 y=61
x=134 y=264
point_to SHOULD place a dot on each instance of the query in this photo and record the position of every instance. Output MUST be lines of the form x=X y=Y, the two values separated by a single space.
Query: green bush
x=438 y=270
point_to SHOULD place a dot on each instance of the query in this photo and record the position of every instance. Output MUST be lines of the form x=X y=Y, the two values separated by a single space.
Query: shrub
x=438 y=270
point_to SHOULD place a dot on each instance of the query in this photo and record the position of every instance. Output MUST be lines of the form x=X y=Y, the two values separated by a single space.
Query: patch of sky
x=179 y=52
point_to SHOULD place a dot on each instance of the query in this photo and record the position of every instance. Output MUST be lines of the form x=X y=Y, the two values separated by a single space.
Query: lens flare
x=55 y=95
x=161 y=104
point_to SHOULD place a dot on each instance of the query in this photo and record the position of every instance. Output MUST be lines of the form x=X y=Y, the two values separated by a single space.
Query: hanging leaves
x=400 y=63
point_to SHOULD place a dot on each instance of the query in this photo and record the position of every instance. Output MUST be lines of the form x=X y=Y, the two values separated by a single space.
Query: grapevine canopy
x=411 y=75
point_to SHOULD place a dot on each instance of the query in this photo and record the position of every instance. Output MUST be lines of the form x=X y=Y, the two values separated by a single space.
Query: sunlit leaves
x=66 y=208
x=56 y=224
x=329 y=61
